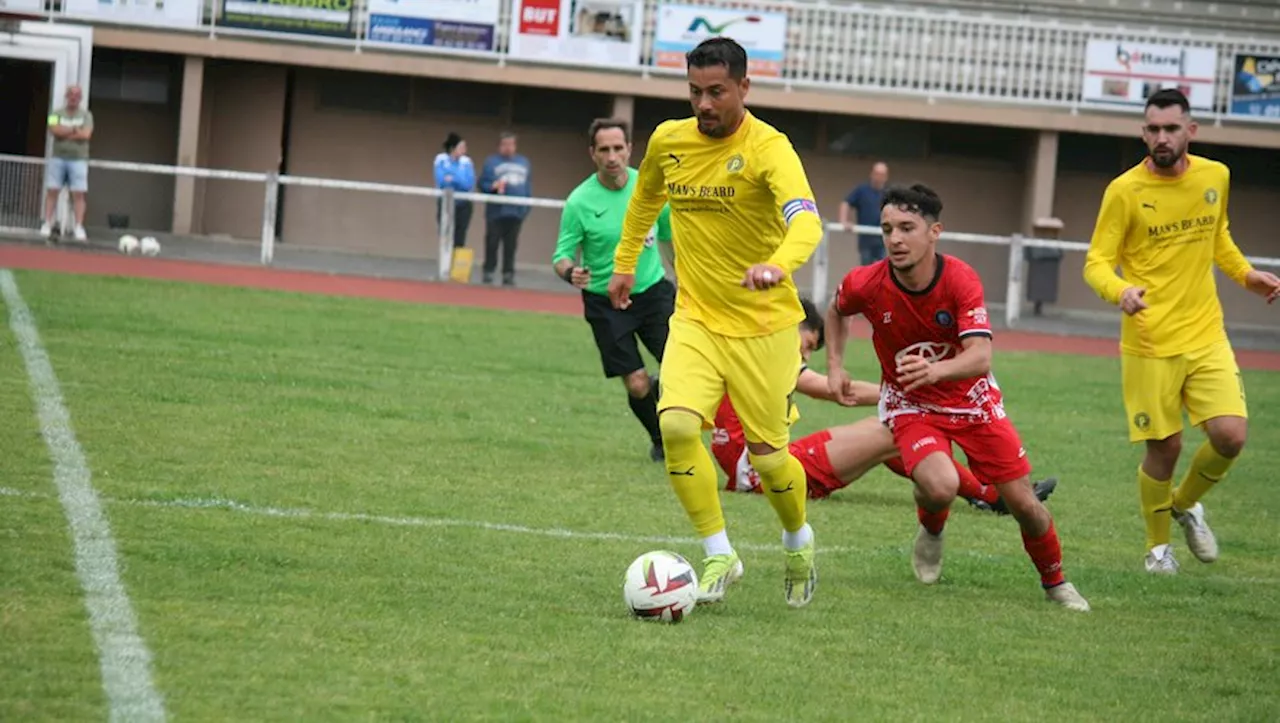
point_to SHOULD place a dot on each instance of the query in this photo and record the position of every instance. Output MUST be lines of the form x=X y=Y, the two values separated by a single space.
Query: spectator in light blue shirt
x=454 y=170
x=865 y=203
x=505 y=173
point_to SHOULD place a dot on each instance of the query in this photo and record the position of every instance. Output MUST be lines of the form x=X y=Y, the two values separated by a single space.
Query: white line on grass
x=122 y=654
x=218 y=503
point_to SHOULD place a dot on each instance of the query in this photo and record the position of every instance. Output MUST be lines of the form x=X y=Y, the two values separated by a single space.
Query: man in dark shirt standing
x=865 y=202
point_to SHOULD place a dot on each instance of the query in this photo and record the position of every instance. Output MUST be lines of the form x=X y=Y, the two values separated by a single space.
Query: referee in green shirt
x=591 y=224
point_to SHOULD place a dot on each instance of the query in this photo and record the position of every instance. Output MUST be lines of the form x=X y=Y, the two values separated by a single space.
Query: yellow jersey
x=735 y=202
x=1166 y=234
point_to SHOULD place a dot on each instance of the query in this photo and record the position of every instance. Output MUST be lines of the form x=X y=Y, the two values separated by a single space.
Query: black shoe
x=488 y=277
x=656 y=454
x=1043 y=489
x=508 y=279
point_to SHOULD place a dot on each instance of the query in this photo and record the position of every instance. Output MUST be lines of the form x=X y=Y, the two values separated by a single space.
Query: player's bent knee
x=1228 y=435
x=937 y=480
x=680 y=426
x=637 y=383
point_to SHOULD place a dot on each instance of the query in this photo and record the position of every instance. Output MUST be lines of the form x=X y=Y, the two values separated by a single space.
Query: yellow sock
x=1157 y=501
x=782 y=480
x=1207 y=468
x=691 y=471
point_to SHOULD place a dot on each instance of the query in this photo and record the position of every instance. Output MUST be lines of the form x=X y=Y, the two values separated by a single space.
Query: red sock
x=898 y=467
x=1046 y=555
x=933 y=521
x=972 y=489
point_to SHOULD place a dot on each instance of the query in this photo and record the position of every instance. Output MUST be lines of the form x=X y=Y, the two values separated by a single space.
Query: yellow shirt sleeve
x=783 y=171
x=1109 y=233
x=647 y=199
x=1225 y=252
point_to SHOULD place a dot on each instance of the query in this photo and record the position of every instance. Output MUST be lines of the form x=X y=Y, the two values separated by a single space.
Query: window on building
x=561 y=109
x=456 y=97
x=987 y=143
x=880 y=137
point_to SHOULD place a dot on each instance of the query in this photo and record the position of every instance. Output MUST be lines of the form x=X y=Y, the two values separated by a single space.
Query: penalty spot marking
x=123 y=656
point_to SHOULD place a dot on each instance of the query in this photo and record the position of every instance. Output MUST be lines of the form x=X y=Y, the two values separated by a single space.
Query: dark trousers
x=461 y=220
x=501 y=232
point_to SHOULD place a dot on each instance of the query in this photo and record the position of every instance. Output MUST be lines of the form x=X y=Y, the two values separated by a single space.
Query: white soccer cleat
x=80 y=234
x=46 y=230
x=1068 y=597
x=926 y=558
x=1160 y=561
x=1200 y=539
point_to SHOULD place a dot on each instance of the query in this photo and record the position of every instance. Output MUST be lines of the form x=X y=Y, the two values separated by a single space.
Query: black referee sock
x=646 y=410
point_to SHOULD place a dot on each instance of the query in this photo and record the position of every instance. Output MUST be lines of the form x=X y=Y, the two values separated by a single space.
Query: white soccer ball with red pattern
x=660 y=586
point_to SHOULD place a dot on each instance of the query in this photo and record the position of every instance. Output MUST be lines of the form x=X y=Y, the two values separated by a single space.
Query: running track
x=256 y=277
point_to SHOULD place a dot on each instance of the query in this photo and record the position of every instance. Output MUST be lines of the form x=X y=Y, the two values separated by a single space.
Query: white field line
x=122 y=654
x=216 y=503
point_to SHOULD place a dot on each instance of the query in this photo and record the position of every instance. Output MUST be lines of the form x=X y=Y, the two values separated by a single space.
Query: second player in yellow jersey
x=1165 y=224
x=743 y=220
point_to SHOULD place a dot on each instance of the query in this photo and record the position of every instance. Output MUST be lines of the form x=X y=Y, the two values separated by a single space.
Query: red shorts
x=995 y=451
x=812 y=453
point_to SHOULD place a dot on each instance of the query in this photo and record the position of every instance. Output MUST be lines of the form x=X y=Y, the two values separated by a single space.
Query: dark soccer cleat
x=656 y=454
x=1043 y=489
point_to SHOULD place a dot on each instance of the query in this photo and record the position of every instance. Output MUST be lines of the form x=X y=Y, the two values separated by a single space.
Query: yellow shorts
x=1206 y=382
x=759 y=374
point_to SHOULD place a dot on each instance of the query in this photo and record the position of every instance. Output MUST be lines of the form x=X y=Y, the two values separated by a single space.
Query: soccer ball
x=129 y=244
x=660 y=586
x=150 y=246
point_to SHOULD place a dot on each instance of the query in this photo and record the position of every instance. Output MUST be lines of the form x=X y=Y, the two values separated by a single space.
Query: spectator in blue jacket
x=505 y=173
x=864 y=201
x=454 y=170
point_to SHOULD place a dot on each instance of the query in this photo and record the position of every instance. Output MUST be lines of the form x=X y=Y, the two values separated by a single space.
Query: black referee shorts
x=616 y=331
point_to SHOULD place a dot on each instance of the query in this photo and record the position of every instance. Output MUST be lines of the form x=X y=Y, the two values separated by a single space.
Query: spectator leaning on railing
x=865 y=202
x=453 y=169
x=506 y=173
x=71 y=127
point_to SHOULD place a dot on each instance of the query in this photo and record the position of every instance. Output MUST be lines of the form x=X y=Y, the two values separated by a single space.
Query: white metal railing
x=894 y=50
x=12 y=167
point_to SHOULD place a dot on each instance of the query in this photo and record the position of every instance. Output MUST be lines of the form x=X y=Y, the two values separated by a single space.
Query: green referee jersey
x=592 y=222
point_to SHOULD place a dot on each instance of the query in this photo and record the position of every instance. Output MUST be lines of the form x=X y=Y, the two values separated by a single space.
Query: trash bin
x=1043 y=265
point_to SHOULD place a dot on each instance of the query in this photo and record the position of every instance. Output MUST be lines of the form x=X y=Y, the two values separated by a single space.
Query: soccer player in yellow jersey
x=1164 y=223
x=743 y=219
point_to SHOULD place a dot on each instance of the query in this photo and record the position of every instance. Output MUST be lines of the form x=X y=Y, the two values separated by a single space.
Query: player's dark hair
x=1167 y=97
x=916 y=198
x=451 y=142
x=601 y=124
x=719 y=51
x=814 y=320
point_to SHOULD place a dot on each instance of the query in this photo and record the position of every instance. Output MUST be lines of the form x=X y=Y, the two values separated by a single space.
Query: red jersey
x=931 y=323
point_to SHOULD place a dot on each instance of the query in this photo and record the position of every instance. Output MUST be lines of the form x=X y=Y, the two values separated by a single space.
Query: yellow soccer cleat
x=718 y=573
x=801 y=576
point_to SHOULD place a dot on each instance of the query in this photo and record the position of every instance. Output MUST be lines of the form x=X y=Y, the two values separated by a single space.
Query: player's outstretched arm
x=837 y=332
x=816 y=386
x=785 y=175
x=1104 y=251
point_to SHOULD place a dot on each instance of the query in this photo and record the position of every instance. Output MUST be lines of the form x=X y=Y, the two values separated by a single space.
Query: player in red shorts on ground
x=933 y=339
x=834 y=458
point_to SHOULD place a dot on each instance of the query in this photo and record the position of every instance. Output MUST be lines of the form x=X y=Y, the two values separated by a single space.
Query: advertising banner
x=165 y=13
x=462 y=24
x=21 y=6
x=1125 y=73
x=681 y=27
x=309 y=17
x=579 y=32
x=1255 y=86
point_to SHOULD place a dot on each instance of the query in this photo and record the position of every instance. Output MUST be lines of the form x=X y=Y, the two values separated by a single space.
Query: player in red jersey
x=834 y=458
x=933 y=339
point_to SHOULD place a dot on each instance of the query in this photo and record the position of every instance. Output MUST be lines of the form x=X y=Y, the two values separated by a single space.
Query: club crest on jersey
x=1211 y=196
x=735 y=164
x=943 y=317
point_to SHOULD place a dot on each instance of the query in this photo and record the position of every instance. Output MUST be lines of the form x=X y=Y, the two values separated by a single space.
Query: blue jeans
x=70 y=172
x=871 y=253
